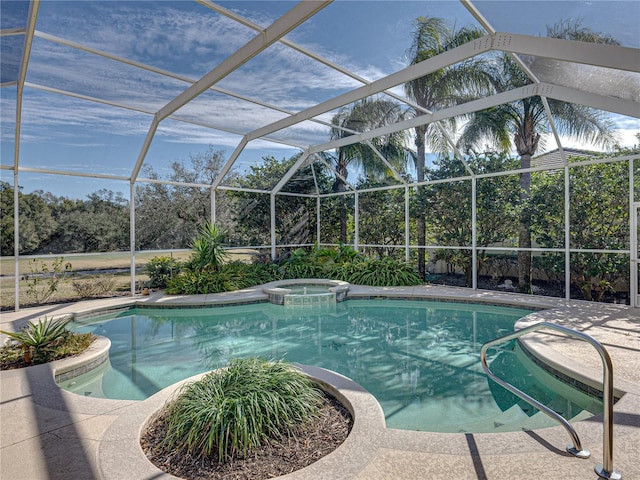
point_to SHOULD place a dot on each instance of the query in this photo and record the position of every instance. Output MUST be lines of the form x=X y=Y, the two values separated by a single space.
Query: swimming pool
x=420 y=359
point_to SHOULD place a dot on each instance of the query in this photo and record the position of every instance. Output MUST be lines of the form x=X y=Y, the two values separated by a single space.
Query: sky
x=184 y=38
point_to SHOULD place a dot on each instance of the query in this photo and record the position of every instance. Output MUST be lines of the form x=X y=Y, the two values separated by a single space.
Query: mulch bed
x=312 y=441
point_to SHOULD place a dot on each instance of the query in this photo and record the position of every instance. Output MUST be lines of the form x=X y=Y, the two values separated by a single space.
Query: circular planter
x=120 y=454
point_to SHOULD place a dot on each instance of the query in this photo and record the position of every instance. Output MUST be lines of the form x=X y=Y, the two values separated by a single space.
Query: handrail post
x=604 y=470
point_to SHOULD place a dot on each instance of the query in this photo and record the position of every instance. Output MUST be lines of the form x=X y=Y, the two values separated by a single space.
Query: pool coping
x=374 y=447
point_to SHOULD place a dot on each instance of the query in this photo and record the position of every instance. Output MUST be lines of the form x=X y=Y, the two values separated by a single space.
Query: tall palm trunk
x=524 y=229
x=420 y=223
x=526 y=142
x=339 y=186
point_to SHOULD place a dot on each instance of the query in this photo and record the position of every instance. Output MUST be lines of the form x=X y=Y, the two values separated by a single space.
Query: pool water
x=419 y=359
x=309 y=289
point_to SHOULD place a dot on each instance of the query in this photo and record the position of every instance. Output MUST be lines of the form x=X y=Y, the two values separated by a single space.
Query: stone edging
x=121 y=456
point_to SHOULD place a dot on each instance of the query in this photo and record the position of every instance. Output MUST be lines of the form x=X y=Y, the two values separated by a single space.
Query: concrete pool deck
x=49 y=433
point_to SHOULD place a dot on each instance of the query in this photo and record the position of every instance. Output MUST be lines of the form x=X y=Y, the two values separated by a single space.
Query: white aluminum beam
x=287 y=176
x=616 y=105
x=335 y=172
x=603 y=55
x=303 y=51
x=150 y=112
x=378 y=153
x=433 y=64
x=593 y=100
x=87 y=98
x=73 y=174
x=290 y=20
x=232 y=159
x=159 y=71
x=34 y=7
x=242 y=189
x=481 y=104
x=488 y=27
x=597 y=54
x=7 y=32
x=145 y=148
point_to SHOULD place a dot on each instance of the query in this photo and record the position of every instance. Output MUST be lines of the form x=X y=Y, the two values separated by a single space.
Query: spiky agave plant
x=36 y=337
x=208 y=248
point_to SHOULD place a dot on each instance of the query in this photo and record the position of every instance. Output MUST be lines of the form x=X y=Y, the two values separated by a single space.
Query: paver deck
x=49 y=433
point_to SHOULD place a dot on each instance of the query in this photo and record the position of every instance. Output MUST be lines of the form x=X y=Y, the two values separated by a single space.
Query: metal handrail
x=604 y=470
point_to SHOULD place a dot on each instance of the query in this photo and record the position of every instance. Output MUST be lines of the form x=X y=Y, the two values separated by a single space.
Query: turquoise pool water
x=420 y=359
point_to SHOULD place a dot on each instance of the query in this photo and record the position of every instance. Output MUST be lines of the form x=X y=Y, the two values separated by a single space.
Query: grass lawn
x=118 y=283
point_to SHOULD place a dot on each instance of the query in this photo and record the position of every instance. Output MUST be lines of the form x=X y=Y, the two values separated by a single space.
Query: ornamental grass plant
x=230 y=412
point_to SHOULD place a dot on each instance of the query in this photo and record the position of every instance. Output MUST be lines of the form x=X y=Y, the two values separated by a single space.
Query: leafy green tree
x=36 y=221
x=599 y=220
x=381 y=218
x=449 y=213
x=520 y=124
x=168 y=216
x=367 y=114
x=295 y=219
x=449 y=86
x=98 y=224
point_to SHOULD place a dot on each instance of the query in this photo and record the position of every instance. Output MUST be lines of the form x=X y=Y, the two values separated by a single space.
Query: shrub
x=336 y=264
x=230 y=412
x=161 y=270
x=195 y=282
x=229 y=277
x=382 y=273
x=90 y=287
x=44 y=279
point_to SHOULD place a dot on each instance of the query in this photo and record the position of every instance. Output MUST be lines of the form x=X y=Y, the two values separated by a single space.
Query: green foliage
x=43 y=341
x=208 y=248
x=44 y=279
x=230 y=412
x=41 y=334
x=161 y=269
x=382 y=218
x=229 y=277
x=448 y=209
x=37 y=223
x=599 y=220
x=167 y=215
x=341 y=263
x=385 y=272
x=365 y=114
x=344 y=263
x=295 y=216
x=59 y=224
x=316 y=262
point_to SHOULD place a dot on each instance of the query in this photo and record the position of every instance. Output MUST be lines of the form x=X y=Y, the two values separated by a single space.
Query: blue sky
x=368 y=38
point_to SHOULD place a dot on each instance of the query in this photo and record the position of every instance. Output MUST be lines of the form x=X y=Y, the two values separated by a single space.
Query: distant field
x=103 y=261
x=98 y=262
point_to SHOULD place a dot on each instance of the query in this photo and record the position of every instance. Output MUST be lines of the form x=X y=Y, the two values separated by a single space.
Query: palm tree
x=450 y=86
x=519 y=125
x=366 y=114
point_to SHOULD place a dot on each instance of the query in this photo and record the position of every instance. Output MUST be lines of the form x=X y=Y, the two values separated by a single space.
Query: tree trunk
x=339 y=186
x=420 y=223
x=343 y=220
x=526 y=141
